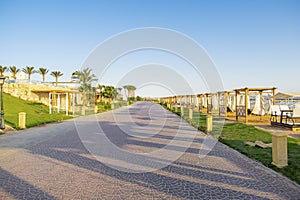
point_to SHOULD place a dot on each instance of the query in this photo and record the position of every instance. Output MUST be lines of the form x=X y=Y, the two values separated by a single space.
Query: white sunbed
x=275 y=112
x=295 y=114
x=284 y=108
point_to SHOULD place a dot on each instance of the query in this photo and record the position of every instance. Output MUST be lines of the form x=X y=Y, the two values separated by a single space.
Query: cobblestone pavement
x=51 y=162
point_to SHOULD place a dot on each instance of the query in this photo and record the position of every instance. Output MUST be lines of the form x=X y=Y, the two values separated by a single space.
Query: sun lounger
x=284 y=108
x=294 y=115
x=275 y=113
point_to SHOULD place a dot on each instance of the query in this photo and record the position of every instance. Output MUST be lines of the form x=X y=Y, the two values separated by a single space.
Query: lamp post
x=2 y=79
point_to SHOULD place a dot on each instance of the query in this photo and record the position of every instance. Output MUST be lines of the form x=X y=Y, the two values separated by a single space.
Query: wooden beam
x=246 y=106
x=236 y=113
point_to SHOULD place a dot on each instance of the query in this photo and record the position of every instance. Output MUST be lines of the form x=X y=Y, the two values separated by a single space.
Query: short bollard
x=279 y=150
x=168 y=106
x=83 y=110
x=190 y=113
x=209 y=120
x=176 y=109
x=22 y=120
x=112 y=106
x=182 y=111
x=96 y=109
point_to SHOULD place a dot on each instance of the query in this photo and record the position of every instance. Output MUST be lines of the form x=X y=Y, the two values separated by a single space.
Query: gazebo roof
x=254 y=89
x=287 y=95
x=51 y=90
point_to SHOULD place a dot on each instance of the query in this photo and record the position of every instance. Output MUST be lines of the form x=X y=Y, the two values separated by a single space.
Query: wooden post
x=22 y=120
x=58 y=103
x=225 y=102
x=198 y=102
x=211 y=103
x=246 y=105
x=274 y=92
x=194 y=101
x=219 y=99
x=73 y=103
x=207 y=103
x=236 y=105
x=67 y=104
x=261 y=104
x=279 y=149
x=50 y=103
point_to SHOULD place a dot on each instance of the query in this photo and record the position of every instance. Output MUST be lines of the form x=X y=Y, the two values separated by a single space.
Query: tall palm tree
x=2 y=70
x=29 y=71
x=75 y=76
x=75 y=73
x=43 y=72
x=130 y=90
x=100 y=88
x=56 y=74
x=14 y=71
x=86 y=76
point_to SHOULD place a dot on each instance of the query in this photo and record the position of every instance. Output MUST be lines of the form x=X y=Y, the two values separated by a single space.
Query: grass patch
x=36 y=113
x=103 y=107
x=235 y=134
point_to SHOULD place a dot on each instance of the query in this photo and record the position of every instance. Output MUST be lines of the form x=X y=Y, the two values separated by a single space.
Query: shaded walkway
x=51 y=162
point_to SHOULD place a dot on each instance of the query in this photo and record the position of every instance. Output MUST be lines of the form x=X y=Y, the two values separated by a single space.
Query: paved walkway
x=51 y=162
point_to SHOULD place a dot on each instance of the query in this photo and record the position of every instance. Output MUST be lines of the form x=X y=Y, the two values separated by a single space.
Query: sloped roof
x=48 y=90
x=287 y=95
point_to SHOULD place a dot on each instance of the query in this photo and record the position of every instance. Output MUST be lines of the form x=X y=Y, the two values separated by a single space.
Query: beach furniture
x=275 y=113
x=289 y=118
x=293 y=116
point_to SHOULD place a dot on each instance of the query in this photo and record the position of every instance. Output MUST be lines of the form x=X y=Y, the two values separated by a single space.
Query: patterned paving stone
x=51 y=162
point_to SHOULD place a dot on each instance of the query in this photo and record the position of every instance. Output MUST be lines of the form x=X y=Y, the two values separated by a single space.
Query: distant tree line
x=85 y=77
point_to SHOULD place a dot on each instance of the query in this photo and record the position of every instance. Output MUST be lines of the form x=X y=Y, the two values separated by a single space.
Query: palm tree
x=43 y=72
x=56 y=74
x=130 y=90
x=28 y=70
x=100 y=88
x=14 y=71
x=86 y=76
x=75 y=76
x=109 y=92
x=2 y=70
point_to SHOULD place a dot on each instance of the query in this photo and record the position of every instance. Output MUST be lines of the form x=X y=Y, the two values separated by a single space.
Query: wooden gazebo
x=242 y=110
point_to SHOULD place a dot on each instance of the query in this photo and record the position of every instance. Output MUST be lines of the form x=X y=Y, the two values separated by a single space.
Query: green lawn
x=235 y=134
x=36 y=113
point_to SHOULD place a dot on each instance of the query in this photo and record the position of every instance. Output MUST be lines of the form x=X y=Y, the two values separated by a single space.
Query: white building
x=19 y=75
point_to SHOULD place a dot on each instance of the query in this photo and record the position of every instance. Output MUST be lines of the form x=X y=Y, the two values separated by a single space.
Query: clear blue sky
x=253 y=43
